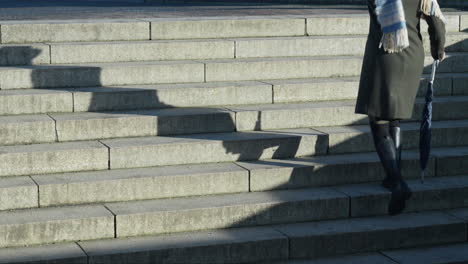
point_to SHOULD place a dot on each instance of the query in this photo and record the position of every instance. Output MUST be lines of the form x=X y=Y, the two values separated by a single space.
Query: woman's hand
x=437 y=54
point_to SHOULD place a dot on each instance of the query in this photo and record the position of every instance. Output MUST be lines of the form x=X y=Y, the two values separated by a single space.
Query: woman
x=391 y=72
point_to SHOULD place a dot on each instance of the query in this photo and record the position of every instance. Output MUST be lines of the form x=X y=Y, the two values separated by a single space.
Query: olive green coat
x=389 y=82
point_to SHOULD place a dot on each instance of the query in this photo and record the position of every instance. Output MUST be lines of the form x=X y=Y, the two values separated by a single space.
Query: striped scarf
x=391 y=16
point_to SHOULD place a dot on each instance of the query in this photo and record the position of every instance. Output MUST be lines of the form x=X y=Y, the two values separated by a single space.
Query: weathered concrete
x=35 y=101
x=452 y=23
x=451 y=161
x=278 y=116
x=227 y=246
x=300 y=46
x=24 y=54
x=18 y=192
x=140 y=184
x=454 y=42
x=88 y=126
x=220 y=147
x=343 y=25
x=231 y=210
x=325 y=171
x=141 y=51
x=464 y=23
x=456 y=253
x=306 y=90
x=51 y=225
x=171 y=95
x=359 y=139
x=328 y=238
x=24 y=32
x=460 y=85
x=434 y=194
x=179 y=121
x=369 y=258
x=53 y=158
x=454 y=63
x=282 y=68
x=26 y=129
x=48 y=254
x=89 y=75
x=226 y=28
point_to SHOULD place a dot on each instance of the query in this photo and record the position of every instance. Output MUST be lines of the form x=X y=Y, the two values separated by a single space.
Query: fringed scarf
x=391 y=16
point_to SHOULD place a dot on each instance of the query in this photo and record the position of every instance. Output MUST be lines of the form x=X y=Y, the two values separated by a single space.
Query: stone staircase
x=217 y=140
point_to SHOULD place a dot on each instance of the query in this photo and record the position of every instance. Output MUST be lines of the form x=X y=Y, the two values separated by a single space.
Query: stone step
x=193 y=28
x=207 y=148
x=175 y=215
x=345 y=169
x=332 y=113
x=349 y=236
x=130 y=97
x=64 y=127
x=290 y=206
x=158 y=151
x=352 y=139
x=446 y=254
x=156 y=50
x=218 y=178
x=263 y=244
x=240 y=245
x=53 y=158
x=227 y=211
x=140 y=123
x=157 y=72
x=360 y=258
x=52 y=225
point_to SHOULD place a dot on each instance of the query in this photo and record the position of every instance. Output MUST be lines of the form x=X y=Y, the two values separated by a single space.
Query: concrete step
x=171 y=121
x=227 y=211
x=332 y=113
x=53 y=158
x=175 y=215
x=267 y=208
x=218 y=178
x=153 y=151
x=206 y=148
x=263 y=244
x=360 y=258
x=446 y=254
x=130 y=97
x=156 y=50
x=52 y=225
x=105 y=74
x=178 y=121
x=338 y=237
x=353 y=139
x=241 y=245
x=345 y=169
x=193 y=28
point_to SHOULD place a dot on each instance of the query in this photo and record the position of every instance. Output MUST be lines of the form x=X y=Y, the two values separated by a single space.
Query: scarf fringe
x=396 y=41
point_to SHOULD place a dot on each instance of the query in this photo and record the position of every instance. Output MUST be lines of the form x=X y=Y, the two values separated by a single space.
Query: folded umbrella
x=425 y=133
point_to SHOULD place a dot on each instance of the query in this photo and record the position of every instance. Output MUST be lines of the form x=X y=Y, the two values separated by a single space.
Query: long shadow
x=298 y=178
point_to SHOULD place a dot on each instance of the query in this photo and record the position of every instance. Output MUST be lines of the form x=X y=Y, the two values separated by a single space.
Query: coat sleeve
x=436 y=35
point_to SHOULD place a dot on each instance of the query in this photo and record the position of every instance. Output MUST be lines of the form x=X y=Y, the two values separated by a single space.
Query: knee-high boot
x=387 y=152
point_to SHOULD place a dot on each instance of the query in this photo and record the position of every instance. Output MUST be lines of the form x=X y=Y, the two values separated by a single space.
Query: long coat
x=389 y=82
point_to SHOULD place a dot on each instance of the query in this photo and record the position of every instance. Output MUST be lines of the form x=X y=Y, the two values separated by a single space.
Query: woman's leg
x=389 y=156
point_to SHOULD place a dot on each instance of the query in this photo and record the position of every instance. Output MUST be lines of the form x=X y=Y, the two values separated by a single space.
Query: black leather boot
x=395 y=134
x=387 y=151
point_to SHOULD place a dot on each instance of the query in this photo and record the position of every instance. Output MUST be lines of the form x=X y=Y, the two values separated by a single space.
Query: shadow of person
x=19 y=55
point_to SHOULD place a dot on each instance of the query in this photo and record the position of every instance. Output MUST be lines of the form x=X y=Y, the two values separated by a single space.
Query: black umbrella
x=425 y=133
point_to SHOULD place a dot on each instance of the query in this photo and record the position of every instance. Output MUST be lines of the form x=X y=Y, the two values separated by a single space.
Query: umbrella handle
x=435 y=64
